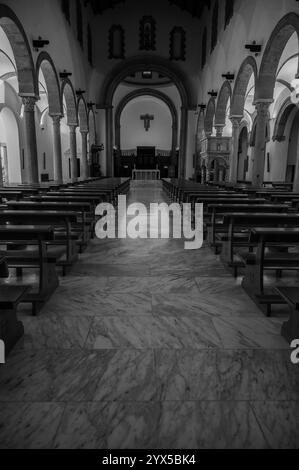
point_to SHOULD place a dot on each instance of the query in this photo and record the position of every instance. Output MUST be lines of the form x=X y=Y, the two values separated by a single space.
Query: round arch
x=147 y=92
x=282 y=119
x=247 y=69
x=21 y=50
x=279 y=38
x=155 y=64
x=46 y=65
x=209 y=117
x=92 y=128
x=67 y=91
x=224 y=96
x=82 y=114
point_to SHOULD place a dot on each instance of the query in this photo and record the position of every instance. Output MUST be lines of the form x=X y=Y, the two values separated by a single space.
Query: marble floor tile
x=106 y=425
x=196 y=304
x=250 y=333
x=209 y=425
x=226 y=375
x=55 y=332
x=279 y=422
x=29 y=425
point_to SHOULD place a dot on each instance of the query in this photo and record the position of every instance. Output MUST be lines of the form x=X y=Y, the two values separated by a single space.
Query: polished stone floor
x=146 y=345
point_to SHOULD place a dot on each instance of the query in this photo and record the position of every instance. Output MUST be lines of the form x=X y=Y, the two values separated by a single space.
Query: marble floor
x=148 y=346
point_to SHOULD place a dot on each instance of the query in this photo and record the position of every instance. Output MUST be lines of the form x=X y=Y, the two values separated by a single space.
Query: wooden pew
x=265 y=259
x=216 y=226
x=84 y=210
x=62 y=223
x=237 y=235
x=290 y=329
x=27 y=248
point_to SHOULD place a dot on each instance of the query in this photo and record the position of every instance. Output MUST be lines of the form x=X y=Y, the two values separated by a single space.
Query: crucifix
x=147 y=118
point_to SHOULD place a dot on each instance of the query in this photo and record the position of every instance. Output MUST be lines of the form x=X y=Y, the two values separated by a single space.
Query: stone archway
x=155 y=64
x=247 y=69
x=209 y=117
x=222 y=102
x=22 y=53
x=83 y=127
x=282 y=119
x=287 y=26
x=67 y=91
x=46 y=66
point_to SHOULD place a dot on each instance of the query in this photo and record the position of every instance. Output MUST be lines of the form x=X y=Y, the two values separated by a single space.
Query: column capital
x=29 y=103
x=73 y=127
x=56 y=118
x=262 y=106
x=84 y=131
x=236 y=120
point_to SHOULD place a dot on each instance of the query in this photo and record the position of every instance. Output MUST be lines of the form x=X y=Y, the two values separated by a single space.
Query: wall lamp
x=254 y=48
x=40 y=43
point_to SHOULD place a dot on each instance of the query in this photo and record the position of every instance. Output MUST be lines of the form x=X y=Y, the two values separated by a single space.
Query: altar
x=146 y=175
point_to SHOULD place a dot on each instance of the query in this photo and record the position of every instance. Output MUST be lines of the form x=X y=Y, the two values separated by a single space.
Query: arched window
x=79 y=22
x=229 y=11
x=204 y=48
x=89 y=45
x=116 y=42
x=65 y=6
x=214 y=26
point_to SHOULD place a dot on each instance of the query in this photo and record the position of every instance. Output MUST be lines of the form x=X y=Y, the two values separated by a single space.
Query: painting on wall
x=147 y=34
x=116 y=42
x=178 y=43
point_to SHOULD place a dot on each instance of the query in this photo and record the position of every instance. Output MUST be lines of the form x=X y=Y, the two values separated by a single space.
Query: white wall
x=133 y=133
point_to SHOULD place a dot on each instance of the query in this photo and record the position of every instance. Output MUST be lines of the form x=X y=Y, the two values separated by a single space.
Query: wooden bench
x=216 y=226
x=61 y=221
x=290 y=329
x=84 y=210
x=237 y=234
x=264 y=260
x=27 y=248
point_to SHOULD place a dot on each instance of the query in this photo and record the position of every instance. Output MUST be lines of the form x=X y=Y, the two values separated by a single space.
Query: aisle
x=146 y=345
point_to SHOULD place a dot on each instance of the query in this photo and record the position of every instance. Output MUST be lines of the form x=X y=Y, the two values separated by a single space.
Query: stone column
x=183 y=142
x=57 y=152
x=259 y=152
x=109 y=142
x=73 y=150
x=85 y=174
x=233 y=164
x=296 y=178
x=30 y=139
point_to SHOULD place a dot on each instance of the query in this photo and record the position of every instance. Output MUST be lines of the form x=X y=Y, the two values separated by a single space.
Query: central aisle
x=146 y=345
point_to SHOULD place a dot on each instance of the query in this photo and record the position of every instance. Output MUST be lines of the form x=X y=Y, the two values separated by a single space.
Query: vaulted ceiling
x=194 y=7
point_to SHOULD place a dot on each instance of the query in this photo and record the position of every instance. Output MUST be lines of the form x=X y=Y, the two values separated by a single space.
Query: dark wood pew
x=265 y=259
x=238 y=226
x=62 y=223
x=27 y=248
x=10 y=195
x=215 y=223
x=290 y=329
x=84 y=210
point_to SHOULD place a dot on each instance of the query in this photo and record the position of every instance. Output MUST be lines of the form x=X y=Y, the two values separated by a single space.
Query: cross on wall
x=147 y=118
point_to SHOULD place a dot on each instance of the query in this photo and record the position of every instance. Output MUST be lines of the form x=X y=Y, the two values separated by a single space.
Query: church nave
x=146 y=345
